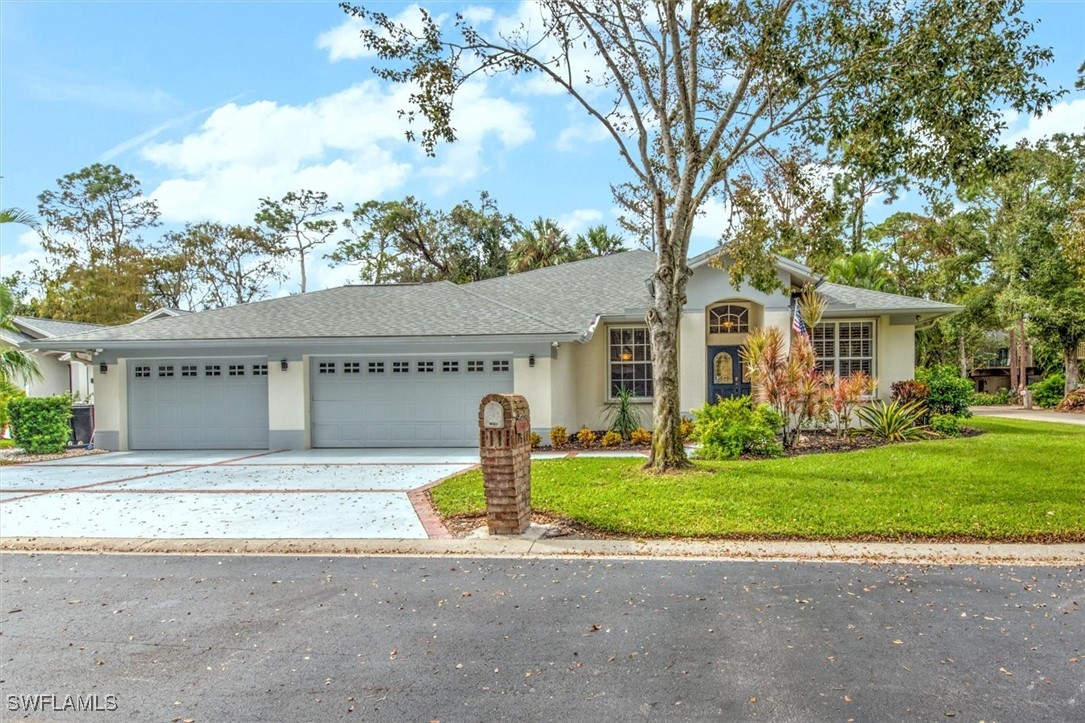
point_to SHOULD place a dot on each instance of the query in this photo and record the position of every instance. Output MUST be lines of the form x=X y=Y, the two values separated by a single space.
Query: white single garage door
x=402 y=401
x=197 y=403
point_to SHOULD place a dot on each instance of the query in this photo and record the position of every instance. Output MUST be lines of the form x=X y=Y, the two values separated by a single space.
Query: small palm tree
x=865 y=270
x=598 y=241
x=543 y=244
x=14 y=363
x=18 y=215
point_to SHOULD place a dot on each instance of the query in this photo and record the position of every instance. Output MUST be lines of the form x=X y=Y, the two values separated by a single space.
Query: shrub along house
x=406 y=365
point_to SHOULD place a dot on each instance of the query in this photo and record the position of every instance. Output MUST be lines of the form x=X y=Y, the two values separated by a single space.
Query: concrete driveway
x=204 y=494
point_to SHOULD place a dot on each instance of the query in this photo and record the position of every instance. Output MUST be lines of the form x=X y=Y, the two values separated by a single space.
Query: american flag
x=797 y=324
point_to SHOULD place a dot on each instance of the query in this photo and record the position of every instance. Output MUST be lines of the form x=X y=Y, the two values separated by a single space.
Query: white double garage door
x=394 y=401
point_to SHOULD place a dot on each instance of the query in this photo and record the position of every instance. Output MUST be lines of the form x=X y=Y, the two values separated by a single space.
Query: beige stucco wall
x=895 y=358
x=691 y=360
x=564 y=386
x=286 y=394
x=111 y=402
x=535 y=384
x=56 y=377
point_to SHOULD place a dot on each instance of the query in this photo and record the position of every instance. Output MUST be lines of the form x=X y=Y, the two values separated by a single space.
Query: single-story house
x=62 y=372
x=406 y=365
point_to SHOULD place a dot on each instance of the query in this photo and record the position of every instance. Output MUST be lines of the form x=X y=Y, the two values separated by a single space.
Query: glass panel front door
x=727 y=375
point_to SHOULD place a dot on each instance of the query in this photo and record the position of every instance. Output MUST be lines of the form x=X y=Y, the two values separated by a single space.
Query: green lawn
x=1022 y=481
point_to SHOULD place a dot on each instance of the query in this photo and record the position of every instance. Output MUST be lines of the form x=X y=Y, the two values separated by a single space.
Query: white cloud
x=349 y=144
x=574 y=136
x=578 y=220
x=1064 y=117
x=344 y=41
x=20 y=247
x=710 y=223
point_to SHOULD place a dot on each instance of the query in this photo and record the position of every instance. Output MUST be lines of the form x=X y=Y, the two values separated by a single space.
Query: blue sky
x=215 y=104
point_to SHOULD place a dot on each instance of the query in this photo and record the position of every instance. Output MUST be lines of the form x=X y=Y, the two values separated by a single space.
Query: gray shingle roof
x=437 y=309
x=842 y=297
x=51 y=328
x=557 y=301
x=572 y=295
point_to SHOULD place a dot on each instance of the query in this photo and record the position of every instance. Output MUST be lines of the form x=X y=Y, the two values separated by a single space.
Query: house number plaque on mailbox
x=493 y=416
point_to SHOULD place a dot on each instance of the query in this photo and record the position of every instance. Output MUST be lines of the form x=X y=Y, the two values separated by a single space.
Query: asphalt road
x=179 y=638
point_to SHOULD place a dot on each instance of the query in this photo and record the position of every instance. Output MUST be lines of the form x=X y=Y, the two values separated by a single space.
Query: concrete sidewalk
x=1032 y=415
x=535 y=545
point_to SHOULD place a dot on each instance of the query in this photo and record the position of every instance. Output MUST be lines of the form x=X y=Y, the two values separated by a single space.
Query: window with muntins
x=188 y=370
x=500 y=365
x=401 y=367
x=143 y=372
x=630 y=361
x=352 y=367
x=326 y=368
x=728 y=319
x=237 y=370
x=212 y=370
x=165 y=371
x=450 y=366
x=476 y=366
x=376 y=367
x=844 y=347
x=424 y=367
x=259 y=370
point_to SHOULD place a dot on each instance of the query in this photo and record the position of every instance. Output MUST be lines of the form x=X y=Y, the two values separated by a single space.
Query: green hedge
x=1049 y=391
x=39 y=425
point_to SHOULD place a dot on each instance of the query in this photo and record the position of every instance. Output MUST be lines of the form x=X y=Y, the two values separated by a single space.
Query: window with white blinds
x=844 y=347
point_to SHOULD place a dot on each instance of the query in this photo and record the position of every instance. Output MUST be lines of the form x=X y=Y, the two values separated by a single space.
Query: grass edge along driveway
x=1020 y=481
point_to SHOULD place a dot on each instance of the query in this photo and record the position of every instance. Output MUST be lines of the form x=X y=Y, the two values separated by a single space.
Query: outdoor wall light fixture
x=103 y=368
x=283 y=365
x=531 y=360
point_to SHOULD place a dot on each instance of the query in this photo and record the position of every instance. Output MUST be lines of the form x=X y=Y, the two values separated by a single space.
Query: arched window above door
x=728 y=319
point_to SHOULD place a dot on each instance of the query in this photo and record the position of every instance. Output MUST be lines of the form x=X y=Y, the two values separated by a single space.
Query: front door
x=727 y=375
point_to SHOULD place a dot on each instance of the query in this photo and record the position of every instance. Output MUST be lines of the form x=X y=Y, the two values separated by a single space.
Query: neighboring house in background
x=992 y=370
x=62 y=373
x=406 y=365
x=163 y=312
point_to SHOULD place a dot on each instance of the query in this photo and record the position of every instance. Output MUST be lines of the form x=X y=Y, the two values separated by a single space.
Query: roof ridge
x=57 y=321
x=888 y=293
x=521 y=312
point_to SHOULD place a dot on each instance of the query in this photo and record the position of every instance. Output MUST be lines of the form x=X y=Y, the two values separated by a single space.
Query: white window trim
x=873 y=344
x=749 y=317
x=606 y=348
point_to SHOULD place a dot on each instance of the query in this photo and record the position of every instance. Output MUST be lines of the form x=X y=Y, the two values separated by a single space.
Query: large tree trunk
x=962 y=353
x=1071 y=370
x=1013 y=362
x=663 y=319
x=1022 y=357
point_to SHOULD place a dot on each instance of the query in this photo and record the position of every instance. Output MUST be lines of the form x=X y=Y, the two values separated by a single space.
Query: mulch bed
x=811 y=442
x=14 y=455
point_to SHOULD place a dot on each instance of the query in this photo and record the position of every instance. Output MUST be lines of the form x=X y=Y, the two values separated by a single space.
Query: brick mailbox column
x=504 y=422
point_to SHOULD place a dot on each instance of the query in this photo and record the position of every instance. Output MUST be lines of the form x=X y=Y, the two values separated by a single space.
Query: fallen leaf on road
x=1004 y=671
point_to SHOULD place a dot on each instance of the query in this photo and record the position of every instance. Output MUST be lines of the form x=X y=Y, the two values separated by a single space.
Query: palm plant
x=18 y=215
x=14 y=363
x=622 y=414
x=598 y=241
x=543 y=244
x=865 y=270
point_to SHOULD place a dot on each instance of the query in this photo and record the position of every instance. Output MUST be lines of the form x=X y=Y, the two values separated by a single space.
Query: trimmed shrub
x=909 y=390
x=558 y=437
x=731 y=427
x=950 y=393
x=610 y=439
x=586 y=437
x=1048 y=392
x=8 y=391
x=39 y=425
x=987 y=399
x=536 y=440
x=641 y=435
x=946 y=425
